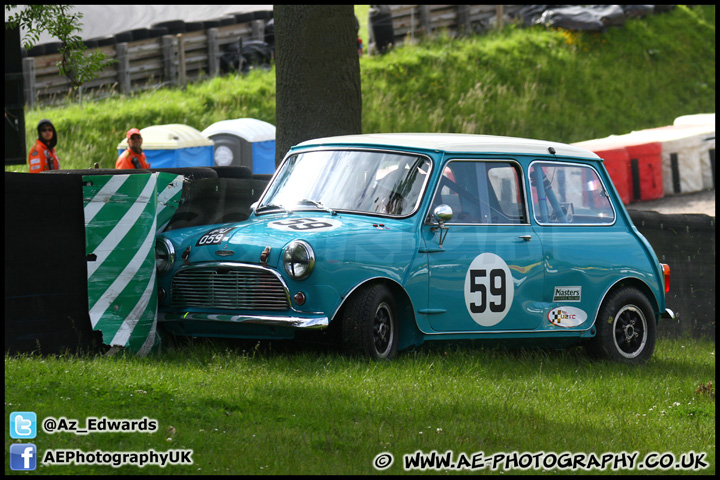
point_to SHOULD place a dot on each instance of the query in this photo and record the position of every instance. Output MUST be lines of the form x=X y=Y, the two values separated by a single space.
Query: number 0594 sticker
x=489 y=289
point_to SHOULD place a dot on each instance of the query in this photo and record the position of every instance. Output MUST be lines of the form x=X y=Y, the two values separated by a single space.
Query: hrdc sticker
x=567 y=317
x=489 y=289
x=305 y=224
x=567 y=294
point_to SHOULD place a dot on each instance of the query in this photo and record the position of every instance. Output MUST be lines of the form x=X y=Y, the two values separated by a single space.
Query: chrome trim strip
x=281 y=321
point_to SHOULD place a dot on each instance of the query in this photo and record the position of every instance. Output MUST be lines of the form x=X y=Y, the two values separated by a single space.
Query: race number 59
x=489 y=289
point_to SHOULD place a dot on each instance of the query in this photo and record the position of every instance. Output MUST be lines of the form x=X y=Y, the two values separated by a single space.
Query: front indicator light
x=300 y=298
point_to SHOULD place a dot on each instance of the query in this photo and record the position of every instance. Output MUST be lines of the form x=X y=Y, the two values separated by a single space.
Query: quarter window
x=482 y=192
x=569 y=194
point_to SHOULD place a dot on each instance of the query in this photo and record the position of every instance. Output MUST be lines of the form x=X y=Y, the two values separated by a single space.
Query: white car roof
x=456 y=143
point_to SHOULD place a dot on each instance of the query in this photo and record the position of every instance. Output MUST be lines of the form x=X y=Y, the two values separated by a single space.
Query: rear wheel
x=370 y=323
x=625 y=327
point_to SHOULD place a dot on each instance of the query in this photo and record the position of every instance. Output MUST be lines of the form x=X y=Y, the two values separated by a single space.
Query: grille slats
x=231 y=288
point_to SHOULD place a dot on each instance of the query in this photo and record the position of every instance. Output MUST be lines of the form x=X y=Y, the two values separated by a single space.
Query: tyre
x=626 y=328
x=370 y=323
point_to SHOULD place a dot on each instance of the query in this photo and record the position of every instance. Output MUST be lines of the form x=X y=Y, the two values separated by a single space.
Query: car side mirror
x=442 y=213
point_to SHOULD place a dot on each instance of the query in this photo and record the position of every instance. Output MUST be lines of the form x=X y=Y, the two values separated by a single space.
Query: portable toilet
x=244 y=141
x=174 y=145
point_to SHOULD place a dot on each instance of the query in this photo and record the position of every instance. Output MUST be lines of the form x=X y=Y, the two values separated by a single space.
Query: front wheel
x=625 y=327
x=370 y=324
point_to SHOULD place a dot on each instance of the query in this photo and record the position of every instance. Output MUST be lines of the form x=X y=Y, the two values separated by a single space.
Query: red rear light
x=666 y=272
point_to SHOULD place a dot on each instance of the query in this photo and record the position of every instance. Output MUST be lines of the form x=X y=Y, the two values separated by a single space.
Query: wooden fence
x=177 y=59
x=142 y=64
x=413 y=21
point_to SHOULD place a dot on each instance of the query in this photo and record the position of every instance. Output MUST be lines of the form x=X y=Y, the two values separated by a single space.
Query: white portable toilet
x=174 y=145
x=244 y=141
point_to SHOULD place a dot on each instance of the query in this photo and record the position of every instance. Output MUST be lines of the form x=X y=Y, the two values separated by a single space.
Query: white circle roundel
x=223 y=156
x=489 y=289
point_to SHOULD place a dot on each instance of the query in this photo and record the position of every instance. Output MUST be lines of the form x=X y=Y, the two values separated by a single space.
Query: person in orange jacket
x=133 y=157
x=42 y=155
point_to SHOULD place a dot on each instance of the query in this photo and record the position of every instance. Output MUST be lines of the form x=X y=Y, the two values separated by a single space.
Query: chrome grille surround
x=229 y=286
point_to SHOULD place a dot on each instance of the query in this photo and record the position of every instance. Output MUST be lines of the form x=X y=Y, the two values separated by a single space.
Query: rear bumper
x=668 y=314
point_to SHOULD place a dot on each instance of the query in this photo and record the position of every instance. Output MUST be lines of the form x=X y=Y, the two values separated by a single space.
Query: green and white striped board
x=122 y=215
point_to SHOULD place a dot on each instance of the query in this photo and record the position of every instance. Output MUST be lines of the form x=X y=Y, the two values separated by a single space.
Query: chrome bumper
x=668 y=314
x=276 y=321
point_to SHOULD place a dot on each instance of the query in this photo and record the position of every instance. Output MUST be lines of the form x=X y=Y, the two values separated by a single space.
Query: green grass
x=526 y=82
x=256 y=410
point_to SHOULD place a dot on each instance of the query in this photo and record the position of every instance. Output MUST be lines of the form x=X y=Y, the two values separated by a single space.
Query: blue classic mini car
x=392 y=240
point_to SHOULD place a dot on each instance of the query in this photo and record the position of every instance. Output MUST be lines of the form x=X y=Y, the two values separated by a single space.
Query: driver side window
x=482 y=192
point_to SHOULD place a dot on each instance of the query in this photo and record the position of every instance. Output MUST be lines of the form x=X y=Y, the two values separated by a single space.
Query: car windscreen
x=385 y=183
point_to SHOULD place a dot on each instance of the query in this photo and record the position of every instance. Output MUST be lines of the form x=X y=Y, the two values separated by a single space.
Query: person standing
x=42 y=155
x=133 y=157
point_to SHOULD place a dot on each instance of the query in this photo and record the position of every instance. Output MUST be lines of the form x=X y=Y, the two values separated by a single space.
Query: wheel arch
x=410 y=335
x=643 y=287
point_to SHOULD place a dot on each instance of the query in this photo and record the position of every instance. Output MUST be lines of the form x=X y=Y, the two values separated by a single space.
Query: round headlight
x=164 y=255
x=298 y=259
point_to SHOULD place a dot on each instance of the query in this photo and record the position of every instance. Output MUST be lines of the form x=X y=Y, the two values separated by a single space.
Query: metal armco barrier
x=122 y=214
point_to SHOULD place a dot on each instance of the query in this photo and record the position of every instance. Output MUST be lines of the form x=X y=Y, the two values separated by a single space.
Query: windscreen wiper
x=319 y=205
x=270 y=206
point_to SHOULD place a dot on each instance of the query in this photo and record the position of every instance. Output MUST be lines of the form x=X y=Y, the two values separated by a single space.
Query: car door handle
x=525 y=237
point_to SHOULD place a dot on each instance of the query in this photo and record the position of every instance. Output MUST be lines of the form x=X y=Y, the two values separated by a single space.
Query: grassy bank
x=541 y=83
x=255 y=411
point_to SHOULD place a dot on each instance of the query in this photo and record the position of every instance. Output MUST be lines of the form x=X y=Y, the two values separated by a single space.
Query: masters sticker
x=567 y=316
x=305 y=224
x=567 y=294
x=489 y=289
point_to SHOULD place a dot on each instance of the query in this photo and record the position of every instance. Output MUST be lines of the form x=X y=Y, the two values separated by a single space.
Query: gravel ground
x=697 y=202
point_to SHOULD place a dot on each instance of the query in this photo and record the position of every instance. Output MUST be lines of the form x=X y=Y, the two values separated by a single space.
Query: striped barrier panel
x=122 y=215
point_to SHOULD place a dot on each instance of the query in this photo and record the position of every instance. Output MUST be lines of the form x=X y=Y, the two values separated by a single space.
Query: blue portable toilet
x=244 y=141
x=174 y=145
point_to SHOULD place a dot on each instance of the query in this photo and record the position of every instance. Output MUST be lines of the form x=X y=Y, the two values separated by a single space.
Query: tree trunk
x=317 y=74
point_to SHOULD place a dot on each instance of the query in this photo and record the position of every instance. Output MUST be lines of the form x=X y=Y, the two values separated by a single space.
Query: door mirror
x=443 y=213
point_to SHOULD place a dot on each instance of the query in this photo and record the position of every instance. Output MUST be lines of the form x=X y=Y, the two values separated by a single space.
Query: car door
x=487 y=276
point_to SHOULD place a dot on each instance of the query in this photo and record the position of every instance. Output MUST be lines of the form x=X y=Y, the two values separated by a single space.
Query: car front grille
x=229 y=287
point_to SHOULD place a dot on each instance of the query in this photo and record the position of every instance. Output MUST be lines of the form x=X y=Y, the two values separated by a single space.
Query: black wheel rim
x=383 y=331
x=630 y=331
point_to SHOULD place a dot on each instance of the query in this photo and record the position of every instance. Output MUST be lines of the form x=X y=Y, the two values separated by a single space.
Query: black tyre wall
x=687 y=243
x=46 y=302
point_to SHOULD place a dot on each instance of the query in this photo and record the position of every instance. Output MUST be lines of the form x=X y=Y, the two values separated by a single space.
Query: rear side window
x=569 y=194
x=486 y=192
